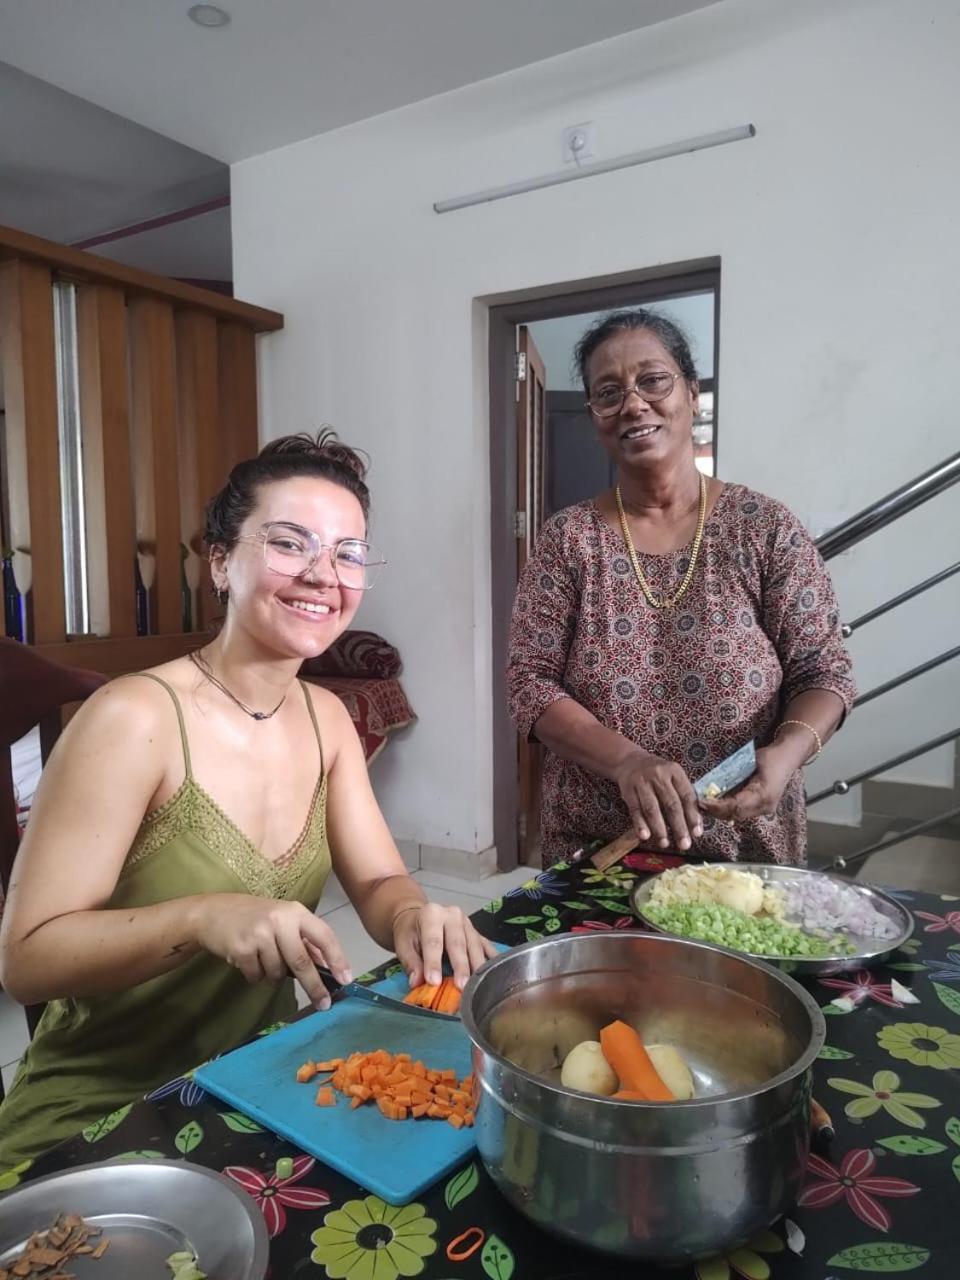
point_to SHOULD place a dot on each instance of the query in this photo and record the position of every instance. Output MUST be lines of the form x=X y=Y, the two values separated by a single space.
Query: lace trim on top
x=190 y=808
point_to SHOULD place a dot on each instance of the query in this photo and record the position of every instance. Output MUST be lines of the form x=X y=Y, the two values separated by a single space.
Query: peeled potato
x=672 y=1070
x=585 y=1068
x=741 y=890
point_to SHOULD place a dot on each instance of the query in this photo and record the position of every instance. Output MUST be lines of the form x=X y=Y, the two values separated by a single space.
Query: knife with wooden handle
x=728 y=774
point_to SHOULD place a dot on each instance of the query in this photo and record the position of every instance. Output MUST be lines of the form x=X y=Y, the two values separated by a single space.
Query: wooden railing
x=167 y=404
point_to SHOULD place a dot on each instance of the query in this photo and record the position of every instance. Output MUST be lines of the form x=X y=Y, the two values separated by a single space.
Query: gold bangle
x=803 y=725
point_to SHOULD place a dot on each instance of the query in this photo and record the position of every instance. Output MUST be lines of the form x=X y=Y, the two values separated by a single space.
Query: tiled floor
x=361 y=950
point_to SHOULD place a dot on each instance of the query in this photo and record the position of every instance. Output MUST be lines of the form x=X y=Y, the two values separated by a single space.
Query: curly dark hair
x=324 y=457
x=669 y=333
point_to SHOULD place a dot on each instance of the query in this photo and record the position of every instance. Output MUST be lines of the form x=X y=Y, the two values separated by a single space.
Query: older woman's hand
x=660 y=798
x=760 y=794
x=422 y=934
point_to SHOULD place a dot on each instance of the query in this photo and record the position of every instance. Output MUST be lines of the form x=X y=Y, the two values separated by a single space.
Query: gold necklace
x=200 y=662
x=664 y=602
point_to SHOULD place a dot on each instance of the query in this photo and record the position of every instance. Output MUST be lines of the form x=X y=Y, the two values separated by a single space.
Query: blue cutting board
x=396 y=1160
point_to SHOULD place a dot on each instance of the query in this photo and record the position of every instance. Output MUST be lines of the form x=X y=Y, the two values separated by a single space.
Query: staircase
x=908 y=835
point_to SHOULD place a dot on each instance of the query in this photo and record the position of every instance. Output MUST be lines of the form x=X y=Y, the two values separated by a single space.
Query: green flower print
x=10 y=1177
x=922 y=1045
x=370 y=1240
x=869 y=1099
x=744 y=1262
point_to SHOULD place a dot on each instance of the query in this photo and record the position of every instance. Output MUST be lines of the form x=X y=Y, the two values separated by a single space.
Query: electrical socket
x=578 y=142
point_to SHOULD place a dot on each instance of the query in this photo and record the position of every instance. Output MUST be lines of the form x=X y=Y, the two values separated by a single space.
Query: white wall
x=836 y=227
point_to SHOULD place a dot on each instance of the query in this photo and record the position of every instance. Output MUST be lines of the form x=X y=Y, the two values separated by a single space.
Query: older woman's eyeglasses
x=292 y=551
x=608 y=400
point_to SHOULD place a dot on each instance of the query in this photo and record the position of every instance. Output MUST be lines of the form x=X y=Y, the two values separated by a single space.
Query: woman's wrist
x=195 y=918
x=797 y=742
x=630 y=754
x=402 y=910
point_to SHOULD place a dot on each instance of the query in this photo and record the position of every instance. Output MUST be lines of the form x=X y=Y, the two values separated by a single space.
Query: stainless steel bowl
x=867 y=951
x=664 y=1182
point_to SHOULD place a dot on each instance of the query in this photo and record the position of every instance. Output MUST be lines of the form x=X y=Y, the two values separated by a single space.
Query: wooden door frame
x=504 y=315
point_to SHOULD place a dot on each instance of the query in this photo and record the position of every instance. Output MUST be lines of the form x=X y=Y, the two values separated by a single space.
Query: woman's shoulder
x=571 y=525
x=150 y=692
x=122 y=712
x=755 y=512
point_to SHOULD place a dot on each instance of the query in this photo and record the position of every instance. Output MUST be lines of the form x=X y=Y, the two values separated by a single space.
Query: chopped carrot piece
x=401 y=1087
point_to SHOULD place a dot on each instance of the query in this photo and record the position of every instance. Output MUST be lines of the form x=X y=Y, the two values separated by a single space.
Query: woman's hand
x=422 y=934
x=762 y=791
x=269 y=940
x=661 y=801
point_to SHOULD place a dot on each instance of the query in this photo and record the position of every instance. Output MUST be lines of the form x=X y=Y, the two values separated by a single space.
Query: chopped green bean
x=758 y=935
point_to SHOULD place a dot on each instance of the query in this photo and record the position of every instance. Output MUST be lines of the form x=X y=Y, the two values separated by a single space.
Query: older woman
x=163 y=898
x=665 y=623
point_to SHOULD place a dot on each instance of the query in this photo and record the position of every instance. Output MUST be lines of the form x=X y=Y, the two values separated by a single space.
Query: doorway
x=544 y=456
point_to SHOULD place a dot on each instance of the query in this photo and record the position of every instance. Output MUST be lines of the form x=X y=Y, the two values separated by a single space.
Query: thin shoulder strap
x=313 y=717
x=176 y=702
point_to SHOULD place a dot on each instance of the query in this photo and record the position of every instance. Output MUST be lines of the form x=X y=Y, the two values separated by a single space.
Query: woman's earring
x=220 y=593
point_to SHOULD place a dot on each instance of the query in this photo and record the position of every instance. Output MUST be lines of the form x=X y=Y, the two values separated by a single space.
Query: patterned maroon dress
x=758 y=625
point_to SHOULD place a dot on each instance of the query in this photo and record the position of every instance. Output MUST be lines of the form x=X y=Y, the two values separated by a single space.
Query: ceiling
x=70 y=170
x=285 y=70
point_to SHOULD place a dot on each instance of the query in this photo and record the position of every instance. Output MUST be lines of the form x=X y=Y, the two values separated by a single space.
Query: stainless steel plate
x=148 y=1209
x=867 y=951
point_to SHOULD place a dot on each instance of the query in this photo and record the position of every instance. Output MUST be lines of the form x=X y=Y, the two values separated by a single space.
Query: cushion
x=358 y=654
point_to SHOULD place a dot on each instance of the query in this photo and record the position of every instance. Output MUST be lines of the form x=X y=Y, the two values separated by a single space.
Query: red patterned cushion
x=358 y=654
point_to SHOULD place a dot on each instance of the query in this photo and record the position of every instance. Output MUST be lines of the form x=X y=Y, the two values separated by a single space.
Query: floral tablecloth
x=883 y=1198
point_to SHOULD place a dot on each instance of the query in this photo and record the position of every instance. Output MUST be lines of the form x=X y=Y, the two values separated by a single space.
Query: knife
x=728 y=773
x=344 y=990
x=722 y=778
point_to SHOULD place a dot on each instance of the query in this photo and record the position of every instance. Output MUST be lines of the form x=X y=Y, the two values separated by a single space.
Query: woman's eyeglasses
x=292 y=551
x=608 y=400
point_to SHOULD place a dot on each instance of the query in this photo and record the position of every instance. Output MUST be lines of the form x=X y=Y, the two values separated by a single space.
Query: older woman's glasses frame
x=607 y=401
x=292 y=551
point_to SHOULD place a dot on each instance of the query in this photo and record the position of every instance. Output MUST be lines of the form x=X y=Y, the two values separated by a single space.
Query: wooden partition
x=167 y=394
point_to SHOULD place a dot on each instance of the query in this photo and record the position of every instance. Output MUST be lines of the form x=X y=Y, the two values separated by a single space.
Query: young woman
x=163 y=898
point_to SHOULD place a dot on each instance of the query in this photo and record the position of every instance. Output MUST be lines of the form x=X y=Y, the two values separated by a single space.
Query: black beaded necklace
x=204 y=668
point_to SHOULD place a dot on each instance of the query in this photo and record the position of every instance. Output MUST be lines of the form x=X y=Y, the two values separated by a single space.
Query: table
x=883 y=1198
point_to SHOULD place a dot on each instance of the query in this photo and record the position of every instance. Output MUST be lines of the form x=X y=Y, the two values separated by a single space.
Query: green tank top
x=89 y=1056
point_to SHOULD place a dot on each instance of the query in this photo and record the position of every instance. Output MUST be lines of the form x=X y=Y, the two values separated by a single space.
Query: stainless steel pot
x=662 y=1182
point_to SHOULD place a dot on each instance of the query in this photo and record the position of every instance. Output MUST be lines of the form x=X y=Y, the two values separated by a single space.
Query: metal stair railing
x=846 y=535
x=842 y=785
x=843 y=862
x=849 y=628
x=887 y=509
